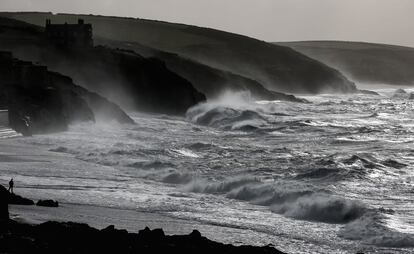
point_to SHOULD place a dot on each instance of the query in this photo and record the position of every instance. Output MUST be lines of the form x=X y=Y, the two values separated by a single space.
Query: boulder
x=195 y=234
x=47 y=203
x=411 y=96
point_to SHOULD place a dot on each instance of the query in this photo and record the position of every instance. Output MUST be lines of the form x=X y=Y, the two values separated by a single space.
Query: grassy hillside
x=276 y=67
x=363 y=62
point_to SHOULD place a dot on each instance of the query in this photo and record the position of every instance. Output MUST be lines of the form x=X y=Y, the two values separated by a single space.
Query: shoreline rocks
x=69 y=237
x=47 y=203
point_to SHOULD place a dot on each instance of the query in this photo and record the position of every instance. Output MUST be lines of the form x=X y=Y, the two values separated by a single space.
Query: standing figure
x=11 y=185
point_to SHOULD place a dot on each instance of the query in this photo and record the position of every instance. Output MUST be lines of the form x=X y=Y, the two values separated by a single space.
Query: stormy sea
x=333 y=175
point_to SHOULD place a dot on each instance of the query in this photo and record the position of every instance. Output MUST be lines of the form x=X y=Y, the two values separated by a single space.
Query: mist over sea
x=333 y=175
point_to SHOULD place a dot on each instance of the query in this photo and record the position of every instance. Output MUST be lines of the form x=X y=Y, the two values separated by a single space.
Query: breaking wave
x=371 y=228
x=299 y=202
x=232 y=111
x=322 y=208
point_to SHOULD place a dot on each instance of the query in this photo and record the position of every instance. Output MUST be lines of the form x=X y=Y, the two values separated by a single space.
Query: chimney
x=81 y=21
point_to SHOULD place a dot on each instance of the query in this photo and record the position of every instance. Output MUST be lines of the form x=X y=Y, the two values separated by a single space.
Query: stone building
x=70 y=35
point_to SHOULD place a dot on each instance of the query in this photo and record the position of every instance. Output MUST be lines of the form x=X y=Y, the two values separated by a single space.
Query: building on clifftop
x=70 y=35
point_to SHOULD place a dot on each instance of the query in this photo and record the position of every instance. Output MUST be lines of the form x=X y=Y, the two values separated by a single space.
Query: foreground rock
x=4 y=204
x=55 y=237
x=11 y=198
x=69 y=237
x=19 y=200
x=47 y=203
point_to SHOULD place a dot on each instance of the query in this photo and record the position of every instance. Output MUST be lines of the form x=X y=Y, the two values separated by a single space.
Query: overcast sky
x=384 y=21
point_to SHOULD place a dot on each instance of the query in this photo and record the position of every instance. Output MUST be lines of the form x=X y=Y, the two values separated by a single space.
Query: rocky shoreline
x=69 y=237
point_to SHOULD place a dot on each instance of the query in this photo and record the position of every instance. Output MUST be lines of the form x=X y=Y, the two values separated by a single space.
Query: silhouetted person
x=11 y=185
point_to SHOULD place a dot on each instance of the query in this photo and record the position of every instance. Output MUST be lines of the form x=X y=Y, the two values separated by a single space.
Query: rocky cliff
x=127 y=78
x=40 y=101
x=277 y=68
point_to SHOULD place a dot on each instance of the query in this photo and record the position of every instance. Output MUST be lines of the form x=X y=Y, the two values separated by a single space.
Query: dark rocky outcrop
x=11 y=198
x=130 y=80
x=144 y=84
x=4 y=204
x=40 y=101
x=19 y=200
x=68 y=237
x=47 y=203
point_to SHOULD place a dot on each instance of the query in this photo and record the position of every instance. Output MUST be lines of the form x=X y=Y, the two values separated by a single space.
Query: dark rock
x=109 y=229
x=210 y=81
x=195 y=234
x=151 y=235
x=69 y=237
x=4 y=203
x=135 y=82
x=411 y=96
x=11 y=198
x=40 y=101
x=47 y=203
x=132 y=81
x=158 y=233
x=19 y=200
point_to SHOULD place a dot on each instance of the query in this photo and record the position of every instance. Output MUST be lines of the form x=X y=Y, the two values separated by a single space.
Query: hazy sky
x=385 y=21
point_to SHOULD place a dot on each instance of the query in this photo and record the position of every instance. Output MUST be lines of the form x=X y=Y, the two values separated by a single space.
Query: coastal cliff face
x=210 y=81
x=135 y=82
x=277 y=68
x=40 y=101
x=130 y=80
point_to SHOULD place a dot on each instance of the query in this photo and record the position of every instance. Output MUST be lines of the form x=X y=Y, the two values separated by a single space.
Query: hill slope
x=276 y=67
x=210 y=81
x=363 y=62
